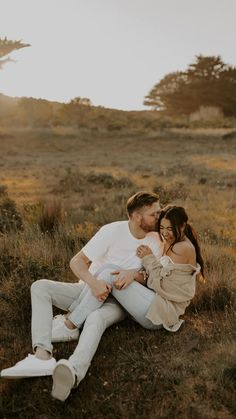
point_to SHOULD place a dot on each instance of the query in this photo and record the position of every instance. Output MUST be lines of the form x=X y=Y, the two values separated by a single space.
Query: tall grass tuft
x=51 y=216
x=10 y=217
x=216 y=292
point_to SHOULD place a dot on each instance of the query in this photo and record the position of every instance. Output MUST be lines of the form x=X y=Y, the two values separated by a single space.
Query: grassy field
x=58 y=185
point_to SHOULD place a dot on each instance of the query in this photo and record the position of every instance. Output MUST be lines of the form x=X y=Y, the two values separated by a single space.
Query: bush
x=167 y=195
x=3 y=191
x=10 y=218
x=78 y=182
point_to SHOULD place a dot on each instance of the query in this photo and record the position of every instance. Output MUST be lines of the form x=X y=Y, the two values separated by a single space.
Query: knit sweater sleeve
x=153 y=269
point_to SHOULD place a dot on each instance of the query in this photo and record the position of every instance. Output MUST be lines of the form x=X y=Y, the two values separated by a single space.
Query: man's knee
x=108 y=314
x=97 y=320
x=40 y=286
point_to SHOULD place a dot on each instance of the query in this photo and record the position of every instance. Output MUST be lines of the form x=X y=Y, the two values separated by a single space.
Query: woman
x=173 y=276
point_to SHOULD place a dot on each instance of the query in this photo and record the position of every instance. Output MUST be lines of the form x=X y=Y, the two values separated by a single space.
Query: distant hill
x=36 y=113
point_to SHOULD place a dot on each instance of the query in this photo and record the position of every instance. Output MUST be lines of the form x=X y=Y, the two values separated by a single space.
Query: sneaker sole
x=27 y=374
x=57 y=340
x=63 y=382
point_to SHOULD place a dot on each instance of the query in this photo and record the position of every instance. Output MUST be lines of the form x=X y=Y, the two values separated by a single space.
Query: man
x=114 y=243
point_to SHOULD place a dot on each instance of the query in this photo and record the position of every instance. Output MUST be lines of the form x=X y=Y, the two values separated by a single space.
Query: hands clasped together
x=124 y=277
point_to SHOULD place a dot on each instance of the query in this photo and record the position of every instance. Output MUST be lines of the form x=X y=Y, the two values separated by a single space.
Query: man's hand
x=101 y=289
x=143 y=251
x=124 y=278
x=79 y=265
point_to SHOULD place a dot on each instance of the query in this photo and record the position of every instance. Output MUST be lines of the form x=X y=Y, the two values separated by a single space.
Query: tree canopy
x=208 y=81
x=85 y=101
x=6 y=47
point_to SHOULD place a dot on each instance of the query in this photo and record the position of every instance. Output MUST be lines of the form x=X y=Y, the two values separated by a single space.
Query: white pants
x=44 y=294
x=136 y=299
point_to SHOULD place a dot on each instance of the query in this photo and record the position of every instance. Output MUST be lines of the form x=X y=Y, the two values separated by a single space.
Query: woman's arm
x=152 y=267
x=141 y=277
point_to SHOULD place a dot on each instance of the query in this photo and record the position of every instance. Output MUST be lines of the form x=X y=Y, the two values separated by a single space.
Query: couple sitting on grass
x=145 y=266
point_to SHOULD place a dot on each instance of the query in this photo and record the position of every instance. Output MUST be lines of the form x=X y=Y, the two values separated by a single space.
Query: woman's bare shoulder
x=184 y=246
x=183 y=252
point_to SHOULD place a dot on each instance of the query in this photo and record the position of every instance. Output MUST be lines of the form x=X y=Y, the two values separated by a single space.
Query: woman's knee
x=106 y=276
x=105 y=272
x=39 y=286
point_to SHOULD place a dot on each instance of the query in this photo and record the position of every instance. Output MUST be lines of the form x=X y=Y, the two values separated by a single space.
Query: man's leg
x=71 y=372
x=44 y=293
x=96 y=323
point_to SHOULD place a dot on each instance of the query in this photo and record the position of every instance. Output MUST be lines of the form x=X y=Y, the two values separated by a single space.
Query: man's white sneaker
x=30 y=367
x=61 y=333
x=64 y=379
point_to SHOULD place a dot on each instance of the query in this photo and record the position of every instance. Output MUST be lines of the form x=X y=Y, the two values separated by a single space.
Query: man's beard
x=146 y=227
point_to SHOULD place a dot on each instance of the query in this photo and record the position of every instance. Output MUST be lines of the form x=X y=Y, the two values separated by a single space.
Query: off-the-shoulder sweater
x=174 y=284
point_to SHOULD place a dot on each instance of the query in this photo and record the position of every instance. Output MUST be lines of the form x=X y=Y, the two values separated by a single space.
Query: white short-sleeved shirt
x=115 y=244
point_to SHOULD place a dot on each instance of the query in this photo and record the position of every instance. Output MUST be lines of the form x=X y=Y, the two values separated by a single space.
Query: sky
x=111 y=51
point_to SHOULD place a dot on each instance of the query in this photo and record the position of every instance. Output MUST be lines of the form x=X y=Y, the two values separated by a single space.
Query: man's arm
x=79 y=265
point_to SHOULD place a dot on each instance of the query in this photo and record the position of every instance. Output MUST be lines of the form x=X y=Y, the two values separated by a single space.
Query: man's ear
x=136 y=216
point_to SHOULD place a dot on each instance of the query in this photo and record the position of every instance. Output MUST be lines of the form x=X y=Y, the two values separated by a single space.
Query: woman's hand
x=143 y=251
x=124 y=278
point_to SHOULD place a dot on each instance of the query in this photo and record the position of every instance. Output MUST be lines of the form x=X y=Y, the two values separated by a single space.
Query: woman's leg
x=136 y=300
x=87 y=303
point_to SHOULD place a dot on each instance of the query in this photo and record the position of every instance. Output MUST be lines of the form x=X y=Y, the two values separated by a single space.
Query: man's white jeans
x=136 y=299
x=44 y=294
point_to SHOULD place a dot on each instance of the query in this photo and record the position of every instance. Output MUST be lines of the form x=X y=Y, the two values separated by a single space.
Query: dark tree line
x=208 y=81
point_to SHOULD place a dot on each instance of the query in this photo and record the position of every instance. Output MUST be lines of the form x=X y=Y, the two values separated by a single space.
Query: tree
x=85 y=101
x=208 y=81
x=158 y=97
x=6 y=47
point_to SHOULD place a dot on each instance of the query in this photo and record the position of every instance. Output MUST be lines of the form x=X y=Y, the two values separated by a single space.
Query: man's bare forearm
x=79 y=268
x=79 y=265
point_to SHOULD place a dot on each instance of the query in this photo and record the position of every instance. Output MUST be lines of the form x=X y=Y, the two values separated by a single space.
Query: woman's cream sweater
x=174 y=285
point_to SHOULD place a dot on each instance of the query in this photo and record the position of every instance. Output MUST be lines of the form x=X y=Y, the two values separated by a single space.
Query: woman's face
x=166 y=231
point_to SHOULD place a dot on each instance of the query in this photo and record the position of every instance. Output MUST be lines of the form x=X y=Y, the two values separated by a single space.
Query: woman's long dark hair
x=178 y=217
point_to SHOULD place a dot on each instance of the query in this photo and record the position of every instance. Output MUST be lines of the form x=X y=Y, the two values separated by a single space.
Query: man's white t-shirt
x=115 y=244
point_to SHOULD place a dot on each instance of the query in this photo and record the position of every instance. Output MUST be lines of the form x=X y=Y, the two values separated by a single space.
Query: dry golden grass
x=68 y=182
